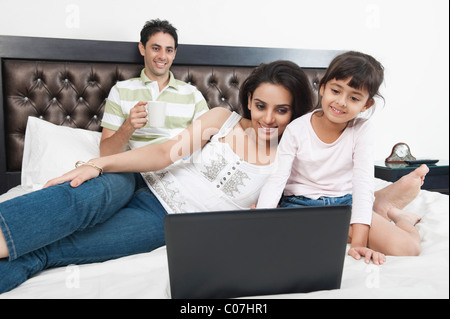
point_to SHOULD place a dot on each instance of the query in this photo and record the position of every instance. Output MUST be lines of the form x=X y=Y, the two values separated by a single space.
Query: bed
x=52 y=94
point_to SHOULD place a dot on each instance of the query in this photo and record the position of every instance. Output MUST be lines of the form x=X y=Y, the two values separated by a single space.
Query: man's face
x=159 y=53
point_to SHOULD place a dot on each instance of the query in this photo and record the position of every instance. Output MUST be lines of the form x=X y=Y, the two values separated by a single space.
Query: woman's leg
x=39 y=218
x=17 y=271
x=135 y=229
x=3 y=247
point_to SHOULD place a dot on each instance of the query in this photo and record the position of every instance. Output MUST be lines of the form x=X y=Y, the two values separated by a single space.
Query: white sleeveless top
x=213 y=178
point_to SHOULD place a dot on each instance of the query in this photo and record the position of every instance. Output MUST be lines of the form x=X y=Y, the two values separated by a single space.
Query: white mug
x=156 y=113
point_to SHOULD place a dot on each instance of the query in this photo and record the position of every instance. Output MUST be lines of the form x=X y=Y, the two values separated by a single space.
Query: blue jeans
x=108 y=217
x=292 y=201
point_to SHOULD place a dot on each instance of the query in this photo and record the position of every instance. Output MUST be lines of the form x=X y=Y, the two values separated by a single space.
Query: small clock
x=400 y=154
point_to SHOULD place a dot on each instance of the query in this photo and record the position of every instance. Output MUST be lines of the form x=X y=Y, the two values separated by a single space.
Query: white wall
x=410 y=37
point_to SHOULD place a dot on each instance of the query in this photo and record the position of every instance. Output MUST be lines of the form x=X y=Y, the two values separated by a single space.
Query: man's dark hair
x=156 y=25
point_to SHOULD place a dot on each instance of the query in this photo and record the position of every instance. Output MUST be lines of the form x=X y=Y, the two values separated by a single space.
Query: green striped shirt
x=184 y=104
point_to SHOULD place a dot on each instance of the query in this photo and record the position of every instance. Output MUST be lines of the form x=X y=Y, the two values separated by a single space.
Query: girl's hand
x=377 y=258
x=76 y=177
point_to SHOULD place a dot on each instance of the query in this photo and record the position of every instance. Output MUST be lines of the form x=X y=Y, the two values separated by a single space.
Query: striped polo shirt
x=184 y=104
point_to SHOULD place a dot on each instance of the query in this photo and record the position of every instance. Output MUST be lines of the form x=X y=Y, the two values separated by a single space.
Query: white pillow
x=51 y=150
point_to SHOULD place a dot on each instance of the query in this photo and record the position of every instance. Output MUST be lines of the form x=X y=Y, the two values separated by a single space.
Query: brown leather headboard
x=66 y=82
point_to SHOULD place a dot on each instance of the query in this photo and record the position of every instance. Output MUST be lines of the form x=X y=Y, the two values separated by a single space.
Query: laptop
x=230 y=254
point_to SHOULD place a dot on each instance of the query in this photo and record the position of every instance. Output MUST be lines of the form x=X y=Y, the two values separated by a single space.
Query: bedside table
x=436 y=179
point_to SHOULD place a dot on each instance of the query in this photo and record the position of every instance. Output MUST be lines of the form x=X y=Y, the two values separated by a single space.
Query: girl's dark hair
x=285 y=73
x=154 y=26
x=365 y=72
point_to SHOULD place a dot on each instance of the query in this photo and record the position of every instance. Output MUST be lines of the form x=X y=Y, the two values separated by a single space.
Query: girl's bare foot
x=397 y=215
x=400 y=193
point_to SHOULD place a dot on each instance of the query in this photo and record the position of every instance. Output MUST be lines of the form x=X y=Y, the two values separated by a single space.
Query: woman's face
x=271 y=110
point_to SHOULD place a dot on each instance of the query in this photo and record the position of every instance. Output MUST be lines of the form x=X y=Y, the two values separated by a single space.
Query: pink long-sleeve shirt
x=306 y=166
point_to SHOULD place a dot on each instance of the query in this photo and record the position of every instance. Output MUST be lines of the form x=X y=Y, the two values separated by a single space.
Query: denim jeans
x=292 y=201
x=108 y=217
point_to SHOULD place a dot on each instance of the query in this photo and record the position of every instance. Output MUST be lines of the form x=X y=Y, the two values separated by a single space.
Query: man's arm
x=113 y=142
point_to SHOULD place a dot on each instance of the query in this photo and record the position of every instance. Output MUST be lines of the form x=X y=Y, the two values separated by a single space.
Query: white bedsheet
x=146 y=275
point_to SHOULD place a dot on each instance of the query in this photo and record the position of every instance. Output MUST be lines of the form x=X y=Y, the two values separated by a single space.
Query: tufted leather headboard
x=67 y=81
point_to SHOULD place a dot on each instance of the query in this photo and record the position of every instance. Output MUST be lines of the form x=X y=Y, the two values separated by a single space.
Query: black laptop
x=258 y=252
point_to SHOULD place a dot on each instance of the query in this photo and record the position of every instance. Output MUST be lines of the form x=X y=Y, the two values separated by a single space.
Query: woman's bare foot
x=400 y=193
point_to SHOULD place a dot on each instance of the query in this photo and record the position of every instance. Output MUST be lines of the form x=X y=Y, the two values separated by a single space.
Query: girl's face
x=271 y=110
x=342 y=103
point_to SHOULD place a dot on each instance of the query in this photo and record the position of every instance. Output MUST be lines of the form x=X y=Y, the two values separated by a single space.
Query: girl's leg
x=135 y=229
x=400 y=193
x=39 y=218
x=399 y=239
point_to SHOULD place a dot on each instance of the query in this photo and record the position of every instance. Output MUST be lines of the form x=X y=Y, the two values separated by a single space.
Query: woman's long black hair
x=285 y=73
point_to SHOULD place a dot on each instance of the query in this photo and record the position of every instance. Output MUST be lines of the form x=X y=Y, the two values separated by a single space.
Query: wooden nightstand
x=436 y=179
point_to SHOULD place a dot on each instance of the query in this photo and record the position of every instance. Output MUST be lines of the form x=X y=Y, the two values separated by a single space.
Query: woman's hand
x=76 y=177
x=377 y=258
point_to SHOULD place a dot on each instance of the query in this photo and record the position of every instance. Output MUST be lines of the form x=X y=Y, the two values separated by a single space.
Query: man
x=125 y=118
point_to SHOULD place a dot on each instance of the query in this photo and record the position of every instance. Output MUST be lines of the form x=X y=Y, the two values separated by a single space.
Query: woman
x=220 y=162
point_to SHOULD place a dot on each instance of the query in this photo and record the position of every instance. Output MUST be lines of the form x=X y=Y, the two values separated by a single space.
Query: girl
x=325 y=157
x=94 y=218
